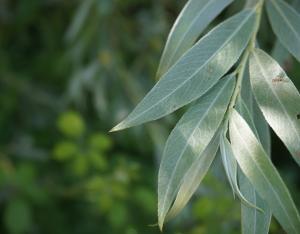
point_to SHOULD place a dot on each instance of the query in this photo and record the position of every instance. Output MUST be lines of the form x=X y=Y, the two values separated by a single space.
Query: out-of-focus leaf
x=188 y=140
x=17 y=216
x=79 y=19
x=194 y=176
x=260 y=171
x=71 y=124
x=278 y=99
x=285 y=22
x=196 y=72
x=65 y=150
x=191 y=22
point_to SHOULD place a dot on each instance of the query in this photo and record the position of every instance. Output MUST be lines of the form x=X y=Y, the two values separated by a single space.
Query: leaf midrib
x=195 y=73
x=267 y=180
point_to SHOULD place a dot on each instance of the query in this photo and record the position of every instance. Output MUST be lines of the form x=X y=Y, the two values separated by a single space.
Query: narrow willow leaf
x=278 y=99
x=244 y=111
x=188 y=139
x=197 y=71
x=251 y=3
x=194 y=176
x=253 y=220
x=260 y=171
x=230 y=164
x=231 y=170
x=246 y=92
x=279 y=52
x=191 y=22
x=262 y=128
x=285 y=22
x=79 y=19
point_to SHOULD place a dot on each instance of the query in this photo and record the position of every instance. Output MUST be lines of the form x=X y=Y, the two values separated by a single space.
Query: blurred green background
x=69 y=71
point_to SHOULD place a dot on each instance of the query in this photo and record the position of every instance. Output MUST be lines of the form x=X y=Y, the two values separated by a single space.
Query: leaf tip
x=118 y=127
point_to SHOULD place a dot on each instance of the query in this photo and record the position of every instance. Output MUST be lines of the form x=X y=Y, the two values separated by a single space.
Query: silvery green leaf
x=244 y=111
x=285 y=22
x=231 y=169
x=278 y=99
x=194 y=176
x=262 y=128
x=188 y=140
x=191 y=22
x=196 y=71
x=279 y=52
x=230 y=164
x=254 y=219
x=246 y=92
x=258 y=168
x=251 y=3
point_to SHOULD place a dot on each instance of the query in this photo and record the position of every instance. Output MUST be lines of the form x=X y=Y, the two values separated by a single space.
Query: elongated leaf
x=79 y=19
x=279 y=52
x=251 y=3
x=262 y=128
x=191 y=22
x=194 y=176
x=253 y=219
x=197 y=71
x=259 y=169
x=231 y=169
x=285 y=22
x=278 y=99
x=230 y=164
x=188 y=140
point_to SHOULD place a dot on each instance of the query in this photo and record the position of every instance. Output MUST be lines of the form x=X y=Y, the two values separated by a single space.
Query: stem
x=241 y=68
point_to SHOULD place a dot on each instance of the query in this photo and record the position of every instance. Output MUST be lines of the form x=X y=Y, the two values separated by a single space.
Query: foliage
x=68 y=71
x=191 y=72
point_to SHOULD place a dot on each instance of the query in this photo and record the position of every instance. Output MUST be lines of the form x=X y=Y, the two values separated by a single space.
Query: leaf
x=188 y=140
x=191 y=22
x=79 y=19
x=196 y=72
x=285 y=22
x=279 y=52
x=278 y=99
x=262 y=128
x=194 y=176
x=260 y=171
x=253 y=220
x=246 y=92
x=231 y=170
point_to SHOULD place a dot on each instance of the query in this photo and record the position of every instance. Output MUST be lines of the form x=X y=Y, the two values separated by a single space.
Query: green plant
x=230 y=111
